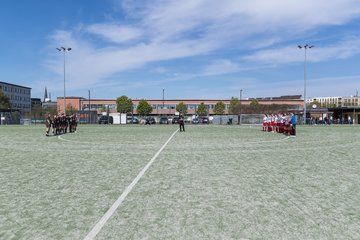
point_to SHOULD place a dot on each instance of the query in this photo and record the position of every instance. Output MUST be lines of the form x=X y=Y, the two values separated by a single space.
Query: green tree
x=234 y=106
x=219 y=108
x=201 y=110
x=144 y=108
x=124 y=104
x=254 y=102
x=70 y=109
x=103 y=108
x=181 y=108
x=4 y=101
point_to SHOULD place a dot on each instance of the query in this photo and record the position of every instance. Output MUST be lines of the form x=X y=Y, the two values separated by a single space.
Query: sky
x=193 y=49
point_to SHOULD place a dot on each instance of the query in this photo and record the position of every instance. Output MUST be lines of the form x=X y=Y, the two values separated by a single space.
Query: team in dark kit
x=60 y=124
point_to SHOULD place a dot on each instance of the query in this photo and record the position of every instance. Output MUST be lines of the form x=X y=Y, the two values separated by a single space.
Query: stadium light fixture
x=64 y=50
x=305 y=47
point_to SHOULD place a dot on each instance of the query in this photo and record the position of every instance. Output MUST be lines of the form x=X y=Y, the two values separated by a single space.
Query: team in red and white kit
x=279 y=123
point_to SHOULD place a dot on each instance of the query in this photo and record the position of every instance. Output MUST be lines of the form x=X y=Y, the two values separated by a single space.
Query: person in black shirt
x=48 y=124
x=181 y=123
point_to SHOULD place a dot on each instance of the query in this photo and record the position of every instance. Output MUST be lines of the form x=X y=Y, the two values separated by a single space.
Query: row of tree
x=125 y=105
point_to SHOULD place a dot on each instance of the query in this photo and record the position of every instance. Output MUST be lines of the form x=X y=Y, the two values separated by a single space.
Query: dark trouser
x=182 y=127
x=293 y=129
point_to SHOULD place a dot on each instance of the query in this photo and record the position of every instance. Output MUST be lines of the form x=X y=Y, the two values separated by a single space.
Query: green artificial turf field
x=211 y=182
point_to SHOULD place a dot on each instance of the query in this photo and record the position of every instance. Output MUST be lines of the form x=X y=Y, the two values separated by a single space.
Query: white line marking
x=59 y=137
x=96 y=229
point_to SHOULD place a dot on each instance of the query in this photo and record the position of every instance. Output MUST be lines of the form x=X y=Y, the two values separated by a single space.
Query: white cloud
x=171 y=30
x=222 y=66
x=242 y=18
x=343 y=49
x=114 y=32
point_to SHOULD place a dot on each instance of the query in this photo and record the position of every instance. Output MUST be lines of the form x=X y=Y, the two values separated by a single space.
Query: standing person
x=181 y=123
x=48 y=123
x=264 y=127
x=293 y=124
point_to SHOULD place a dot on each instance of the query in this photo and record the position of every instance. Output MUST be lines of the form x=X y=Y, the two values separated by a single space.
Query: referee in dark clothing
x=181 y=123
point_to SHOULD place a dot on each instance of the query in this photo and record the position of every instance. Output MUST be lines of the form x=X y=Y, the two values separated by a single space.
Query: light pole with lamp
x=163 y=101
x=89 y=108
x=306 y=46
x=64 y=50
x=240 y=106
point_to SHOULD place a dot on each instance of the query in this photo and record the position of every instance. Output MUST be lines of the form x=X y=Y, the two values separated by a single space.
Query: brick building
x=168 y=107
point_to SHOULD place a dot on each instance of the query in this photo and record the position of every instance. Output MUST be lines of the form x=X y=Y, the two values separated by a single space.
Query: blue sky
x=203 y=49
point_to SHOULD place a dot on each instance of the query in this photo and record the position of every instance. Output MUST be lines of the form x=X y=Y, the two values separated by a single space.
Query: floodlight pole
x=89 y=108
x=240 y=106
x=306 y=46
x=64 y=50
x=163 y=98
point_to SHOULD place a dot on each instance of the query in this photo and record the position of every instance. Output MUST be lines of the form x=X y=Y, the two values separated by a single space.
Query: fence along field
x=211 y=182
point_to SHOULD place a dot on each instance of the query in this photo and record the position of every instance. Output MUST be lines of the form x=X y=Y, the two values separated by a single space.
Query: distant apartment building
x=336 y=101
x=326 y=101
x=350 y=101
x=19 y=96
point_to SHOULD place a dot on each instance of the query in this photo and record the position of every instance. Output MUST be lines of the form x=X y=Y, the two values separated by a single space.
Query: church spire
x=45 y=95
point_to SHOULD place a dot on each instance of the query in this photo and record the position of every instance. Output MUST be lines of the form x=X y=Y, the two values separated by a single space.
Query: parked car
x=149 y=120
x=204 y=120
x=195 y=121
x=175 y=120
x=163 y=120
x=106 y=120
x=132 y=120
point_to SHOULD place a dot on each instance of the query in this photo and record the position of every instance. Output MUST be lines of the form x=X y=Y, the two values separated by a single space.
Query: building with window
x=335 y=101
x=326 y=101
x=168 y=107
x=341 y=109
x=350 y=101
x=19 y=96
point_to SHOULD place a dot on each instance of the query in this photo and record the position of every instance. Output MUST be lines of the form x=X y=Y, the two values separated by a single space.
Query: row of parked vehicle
x=162 y=120
x=175 y=119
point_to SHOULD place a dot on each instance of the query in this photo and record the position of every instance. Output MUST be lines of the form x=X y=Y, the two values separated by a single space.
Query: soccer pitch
x=211 y=182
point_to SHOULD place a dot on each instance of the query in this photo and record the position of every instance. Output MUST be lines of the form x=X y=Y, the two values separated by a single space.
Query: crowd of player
x=280 y=123
x=60 y=124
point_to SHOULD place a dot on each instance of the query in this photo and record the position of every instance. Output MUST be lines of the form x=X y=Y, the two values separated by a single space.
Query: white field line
x=96 y=229
x=59 y=137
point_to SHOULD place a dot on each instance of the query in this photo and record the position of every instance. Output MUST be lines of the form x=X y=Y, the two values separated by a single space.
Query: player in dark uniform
x=48 y=124
x=72 y=123
x=181 y=123
x=56 y=125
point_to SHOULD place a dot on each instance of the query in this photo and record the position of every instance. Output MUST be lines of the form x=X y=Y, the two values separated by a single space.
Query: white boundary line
x=59 y=137
x=96 y=229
